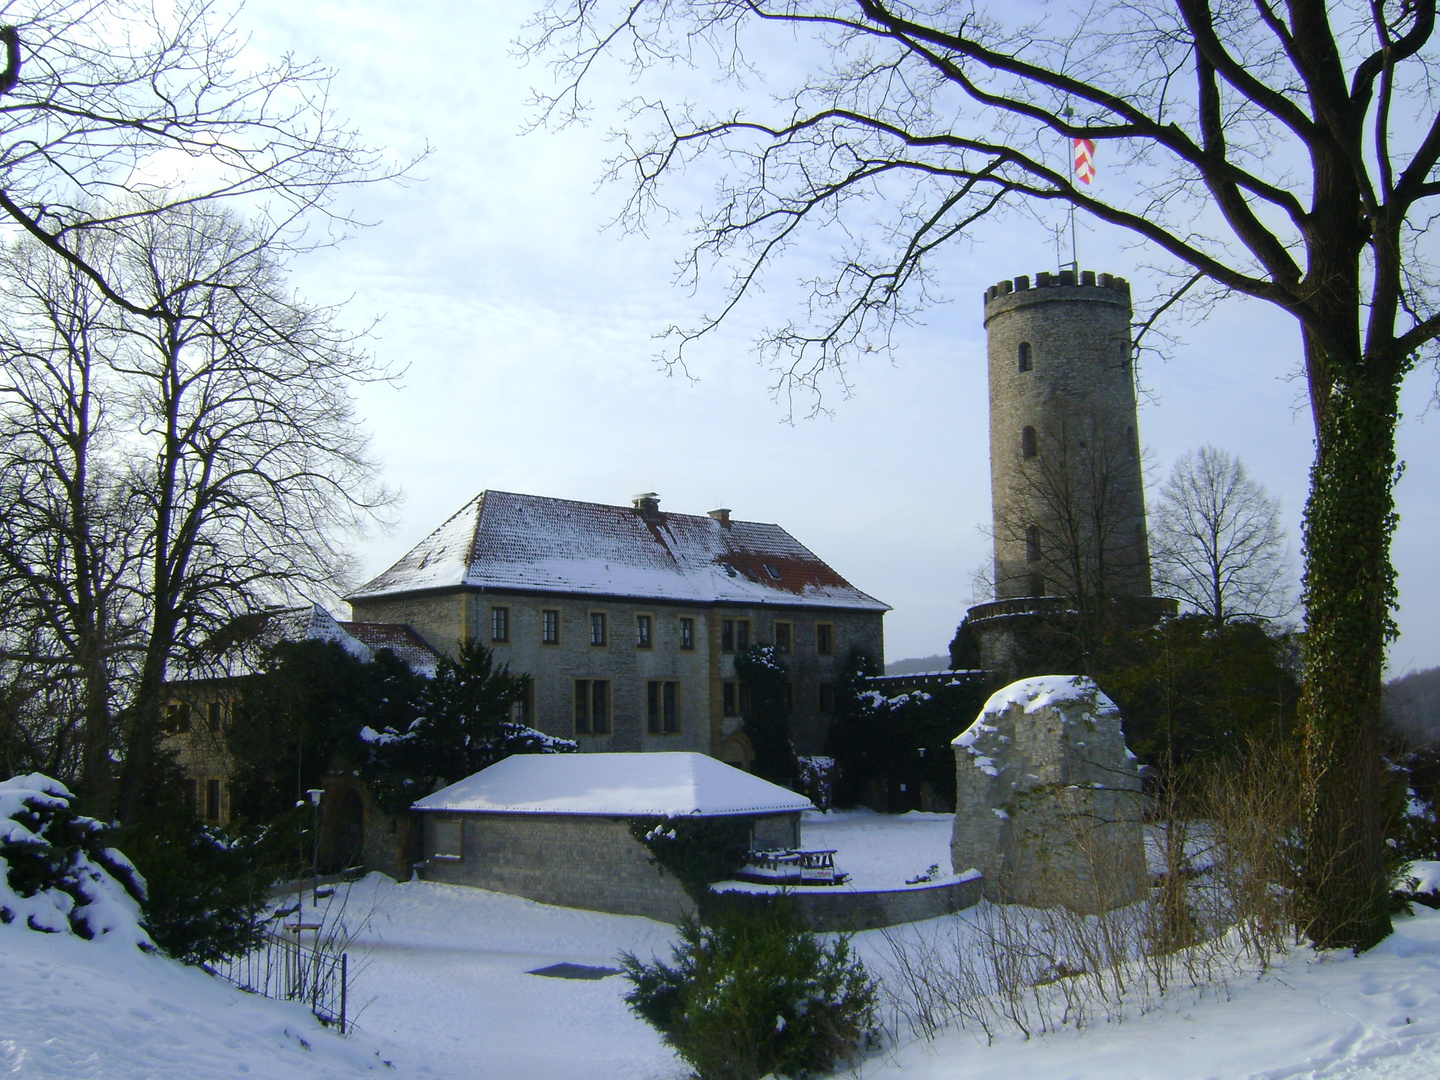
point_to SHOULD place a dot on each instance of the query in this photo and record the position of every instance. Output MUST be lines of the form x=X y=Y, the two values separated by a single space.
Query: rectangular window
x=662 y=711
x=783 y=636
x=592 y=707
x=523 y=711
x=192 y=794
x=582 y=706
x=215 y=715
x=499 y=624
x=827 y=697
x=744 y=698
x=727 y=635
x=730 y=699
x=449 y=836
x=177 y=718
x=742 y=635
x=549 y=627
x=597 y=628
x=824 y=639
x=687 y=633
x=212 y=799
x=644 y=639
x=599 y=707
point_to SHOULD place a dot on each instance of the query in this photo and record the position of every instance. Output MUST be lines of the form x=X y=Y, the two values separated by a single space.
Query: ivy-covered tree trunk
x=1349 y=596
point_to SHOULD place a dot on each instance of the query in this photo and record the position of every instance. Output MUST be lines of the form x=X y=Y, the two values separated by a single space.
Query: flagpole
x=1069 y=114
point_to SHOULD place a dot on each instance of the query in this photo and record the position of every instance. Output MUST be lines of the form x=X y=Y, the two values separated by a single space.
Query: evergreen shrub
x=699 y=851
x=752 y=995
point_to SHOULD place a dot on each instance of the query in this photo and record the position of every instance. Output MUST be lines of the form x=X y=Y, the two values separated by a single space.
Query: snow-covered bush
x=753 y=995
x=699 y=851
x=815 y=778
x=208 y=887
x=58 y=873
x=460 y=724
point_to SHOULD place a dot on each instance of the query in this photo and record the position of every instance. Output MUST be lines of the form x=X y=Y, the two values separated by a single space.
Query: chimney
x=722 y=516
x=647 y=504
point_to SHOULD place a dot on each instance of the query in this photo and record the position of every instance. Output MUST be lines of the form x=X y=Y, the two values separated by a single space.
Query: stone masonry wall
x=566 y=859
x=1048 y=798
x=1079 y=390
x=439 y=618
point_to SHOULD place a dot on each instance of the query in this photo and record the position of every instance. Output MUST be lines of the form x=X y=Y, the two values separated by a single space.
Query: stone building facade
x=199 y=704
x=628 y=619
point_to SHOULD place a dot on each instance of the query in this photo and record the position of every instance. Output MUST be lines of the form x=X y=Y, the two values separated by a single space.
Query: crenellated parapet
x=1047 y=279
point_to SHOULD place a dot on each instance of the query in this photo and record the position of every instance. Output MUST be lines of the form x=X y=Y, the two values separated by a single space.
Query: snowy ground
x=73 y=1009
x=443 y=993
x=881 y=851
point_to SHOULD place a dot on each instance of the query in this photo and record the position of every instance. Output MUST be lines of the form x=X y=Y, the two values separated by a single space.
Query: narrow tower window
x=1130 y=442
x=1037 y=584
x=1029 y=445
x=1024 y=356
x=1032 y=543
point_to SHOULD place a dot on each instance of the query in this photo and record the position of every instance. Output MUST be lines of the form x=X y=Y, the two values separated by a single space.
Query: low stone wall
x=837 y=908
x=567 y=859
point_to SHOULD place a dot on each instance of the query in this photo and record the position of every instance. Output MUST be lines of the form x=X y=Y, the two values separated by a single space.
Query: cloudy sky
x=526 y=332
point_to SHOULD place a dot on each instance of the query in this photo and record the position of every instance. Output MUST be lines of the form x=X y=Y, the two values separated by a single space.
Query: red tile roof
x=404 y=642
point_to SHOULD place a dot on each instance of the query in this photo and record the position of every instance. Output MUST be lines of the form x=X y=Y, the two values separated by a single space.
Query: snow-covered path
x=443 y=973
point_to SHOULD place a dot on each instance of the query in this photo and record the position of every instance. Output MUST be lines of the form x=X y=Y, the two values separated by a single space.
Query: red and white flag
x=1084 y=160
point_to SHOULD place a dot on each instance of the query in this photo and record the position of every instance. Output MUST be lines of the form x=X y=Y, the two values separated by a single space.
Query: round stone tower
x=1067 y=495
x=1067 y=492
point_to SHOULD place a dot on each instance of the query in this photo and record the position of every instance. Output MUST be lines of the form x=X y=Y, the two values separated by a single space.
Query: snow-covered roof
x=620 y=785
x=501 y=540
x=243 y=651
x=405 y=643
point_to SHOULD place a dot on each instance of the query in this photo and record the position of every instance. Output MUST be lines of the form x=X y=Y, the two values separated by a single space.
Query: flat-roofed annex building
x=628 y=618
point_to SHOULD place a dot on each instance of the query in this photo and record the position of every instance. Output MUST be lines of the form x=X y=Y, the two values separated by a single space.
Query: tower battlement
x=1047 y=279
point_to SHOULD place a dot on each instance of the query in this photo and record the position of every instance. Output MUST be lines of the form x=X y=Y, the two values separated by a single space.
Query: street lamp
x=314 y=794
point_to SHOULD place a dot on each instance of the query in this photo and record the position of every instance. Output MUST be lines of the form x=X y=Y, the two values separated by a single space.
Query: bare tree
x=1218 y=544
x=101 y=100
x=68 y=546
x=226 y=441
x=116 y=115
x=252 y=472
x=1285 y=152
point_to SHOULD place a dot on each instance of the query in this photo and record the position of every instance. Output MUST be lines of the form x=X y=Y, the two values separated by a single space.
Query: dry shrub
x=1224 y=858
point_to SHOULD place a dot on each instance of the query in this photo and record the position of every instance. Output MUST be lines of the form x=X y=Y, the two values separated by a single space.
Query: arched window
x=1029 y=444
x=1024 y=356
x=1032 y=543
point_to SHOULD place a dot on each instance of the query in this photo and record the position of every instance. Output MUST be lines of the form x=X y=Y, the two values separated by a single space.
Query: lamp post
x=314 y=794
